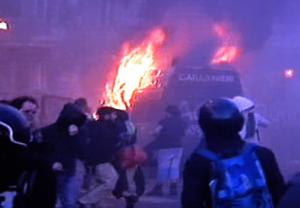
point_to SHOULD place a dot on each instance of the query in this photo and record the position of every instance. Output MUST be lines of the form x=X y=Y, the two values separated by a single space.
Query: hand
x=57 y=166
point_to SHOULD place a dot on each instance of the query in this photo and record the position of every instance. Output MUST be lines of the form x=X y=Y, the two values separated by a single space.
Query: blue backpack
x=237 y=182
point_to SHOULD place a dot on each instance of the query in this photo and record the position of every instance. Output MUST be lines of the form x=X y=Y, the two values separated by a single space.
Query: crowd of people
x=80 y=161
x=75 y=161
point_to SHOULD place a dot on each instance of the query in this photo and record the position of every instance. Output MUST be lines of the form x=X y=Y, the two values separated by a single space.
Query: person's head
x=105 y=113
x=28 y=106
x=122 y=115
x=173 y=111
x=14 y=127
x=220 y=119
x=82 y=104
x=114 y=115
x=71 y=116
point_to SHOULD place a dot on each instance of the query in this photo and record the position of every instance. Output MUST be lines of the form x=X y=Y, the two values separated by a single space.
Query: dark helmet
x=220 y=117
x=14 y=127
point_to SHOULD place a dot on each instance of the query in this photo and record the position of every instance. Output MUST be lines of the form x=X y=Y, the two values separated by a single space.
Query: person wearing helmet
x=14 y=136
x=17 y=158
x=223 y=149
x=253 y=120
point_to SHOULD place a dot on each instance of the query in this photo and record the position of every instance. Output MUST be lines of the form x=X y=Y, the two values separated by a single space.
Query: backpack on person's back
x=237 y=181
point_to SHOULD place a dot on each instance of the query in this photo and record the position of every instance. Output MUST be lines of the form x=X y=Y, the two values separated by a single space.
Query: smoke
x=253 y=19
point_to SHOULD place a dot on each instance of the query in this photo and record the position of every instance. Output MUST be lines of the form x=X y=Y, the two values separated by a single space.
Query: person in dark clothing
x=39 y=195
x=102 y=149
x=18 y=159
x=131 y=182
x=221 y=122
x=63 y=147
x=169 y=134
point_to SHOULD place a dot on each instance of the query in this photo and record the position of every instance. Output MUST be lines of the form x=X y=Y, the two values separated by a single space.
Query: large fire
x=229 y=51
x=137 y=71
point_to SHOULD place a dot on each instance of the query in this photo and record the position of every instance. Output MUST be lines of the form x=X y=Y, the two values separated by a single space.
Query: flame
x=229 y=51
x=226 y=54
x=137 y=71
x=3 y=25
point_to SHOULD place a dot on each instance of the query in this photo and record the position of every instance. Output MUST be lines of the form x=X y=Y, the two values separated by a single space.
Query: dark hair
x=19 y=101
x=81 y=102
x=71 y=114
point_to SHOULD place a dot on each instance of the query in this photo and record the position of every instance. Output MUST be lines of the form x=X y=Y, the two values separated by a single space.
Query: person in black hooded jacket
x=104 y=139
x=221 y=122
x=63 y=147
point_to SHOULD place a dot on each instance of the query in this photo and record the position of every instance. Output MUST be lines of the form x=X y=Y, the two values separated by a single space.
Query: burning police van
x=188 y=88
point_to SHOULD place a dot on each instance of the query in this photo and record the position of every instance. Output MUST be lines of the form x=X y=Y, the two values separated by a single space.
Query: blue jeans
x=67 y=190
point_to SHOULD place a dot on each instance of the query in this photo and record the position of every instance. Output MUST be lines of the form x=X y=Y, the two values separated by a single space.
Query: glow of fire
x=137 y=71
x=229 y=50
x=226 y=54
x=3 y=25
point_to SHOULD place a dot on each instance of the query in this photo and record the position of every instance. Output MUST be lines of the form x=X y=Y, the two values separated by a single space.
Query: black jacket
x=58 y=145
x=196 y=193
x=104 y=139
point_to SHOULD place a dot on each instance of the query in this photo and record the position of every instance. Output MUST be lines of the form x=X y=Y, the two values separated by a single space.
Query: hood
x=243 y=103
x=71 y=114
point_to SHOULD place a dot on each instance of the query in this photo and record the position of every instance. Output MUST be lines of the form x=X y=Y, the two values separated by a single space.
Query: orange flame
x=226 y=54
x=229 y=51
x=136 y=71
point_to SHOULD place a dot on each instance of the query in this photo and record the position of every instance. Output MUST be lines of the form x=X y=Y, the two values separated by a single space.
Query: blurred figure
x=103 y=144
x=253 y=173
x=63 y=147
x=169 y=134
x=28 y=106
x=16 y=158
x=131 y=182
x=253 y=120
